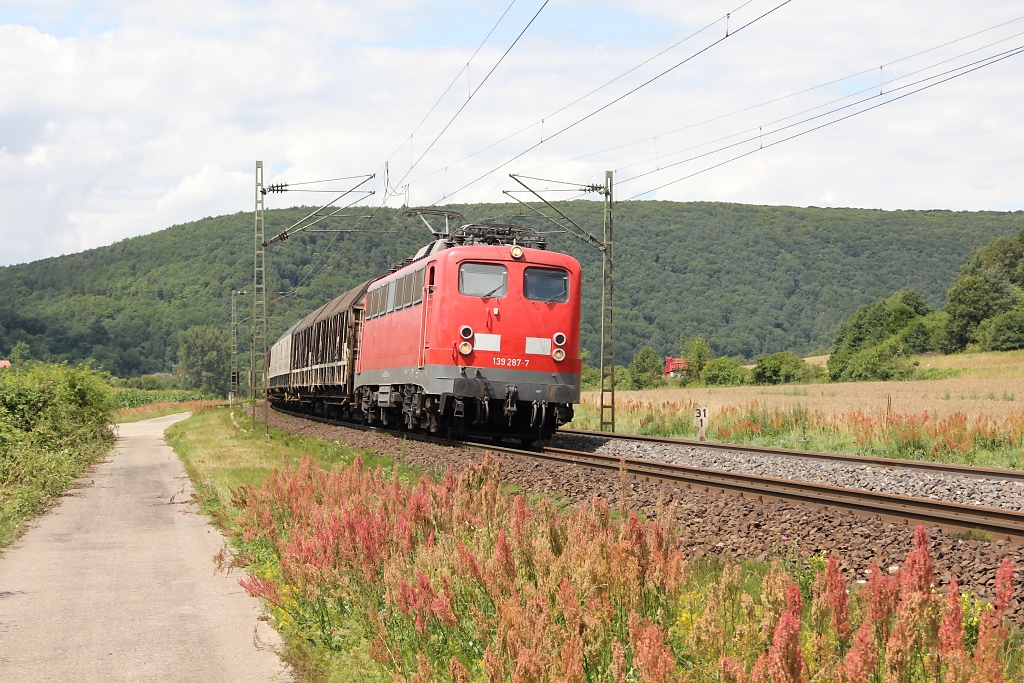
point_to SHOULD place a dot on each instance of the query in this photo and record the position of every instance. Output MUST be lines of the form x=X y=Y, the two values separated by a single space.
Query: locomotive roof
x=333 y=307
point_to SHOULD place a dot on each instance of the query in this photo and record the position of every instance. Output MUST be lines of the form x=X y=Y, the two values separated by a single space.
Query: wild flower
x=261 y=588
x=951 y=631
x=651 y=655
x=918 y=571
x=1004 y=585
x=454 y=580
x=861 y=659
x=837 y=598
x=883 y=592
x=785 y=659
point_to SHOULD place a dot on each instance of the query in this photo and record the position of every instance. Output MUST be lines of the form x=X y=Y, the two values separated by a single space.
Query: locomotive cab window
x=486 y=280
x=546 y=284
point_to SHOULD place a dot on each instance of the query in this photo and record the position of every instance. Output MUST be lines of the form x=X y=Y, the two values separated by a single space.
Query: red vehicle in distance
x=676 y=367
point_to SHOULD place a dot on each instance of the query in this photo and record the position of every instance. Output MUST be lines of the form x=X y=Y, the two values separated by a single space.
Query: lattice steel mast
x=607 y=315
x=258 y=353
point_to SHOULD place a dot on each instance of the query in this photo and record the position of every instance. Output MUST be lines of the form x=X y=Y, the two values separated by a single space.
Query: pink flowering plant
x=457 y=581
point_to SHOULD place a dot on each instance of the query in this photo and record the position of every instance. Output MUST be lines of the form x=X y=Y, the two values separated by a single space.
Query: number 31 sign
x=700 y=420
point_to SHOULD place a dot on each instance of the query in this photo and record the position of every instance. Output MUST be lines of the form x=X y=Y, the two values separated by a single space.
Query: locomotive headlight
x=516 y=251
x=465 y=348
x=559 y=338
x=558 y=355
x=466 y=332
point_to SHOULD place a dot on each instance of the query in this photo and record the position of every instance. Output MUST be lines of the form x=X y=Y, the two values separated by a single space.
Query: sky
x=119 y=119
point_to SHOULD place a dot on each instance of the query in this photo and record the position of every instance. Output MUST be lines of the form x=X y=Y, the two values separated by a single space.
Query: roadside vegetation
x=373 y=573
x=55 y=421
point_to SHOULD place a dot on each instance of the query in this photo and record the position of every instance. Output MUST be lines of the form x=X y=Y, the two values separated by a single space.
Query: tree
x=590 y=377
x=19 y=353
x=1007 y=333
x=1002 y=255
x=646 y=367
x=697 y=355
x=204 y=359
x=974 y=298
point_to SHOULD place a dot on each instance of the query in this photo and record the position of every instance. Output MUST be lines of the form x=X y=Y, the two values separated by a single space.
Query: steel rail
x=943 y=468
x=1001 y=524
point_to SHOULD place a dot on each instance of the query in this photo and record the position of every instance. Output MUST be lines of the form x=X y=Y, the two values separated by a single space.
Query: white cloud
x=117 y=120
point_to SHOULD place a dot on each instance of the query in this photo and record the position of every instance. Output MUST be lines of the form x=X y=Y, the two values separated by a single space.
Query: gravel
x=986 y=492
x=715 y=526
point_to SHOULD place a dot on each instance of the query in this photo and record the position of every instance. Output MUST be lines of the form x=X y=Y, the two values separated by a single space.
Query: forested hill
x=751 y=279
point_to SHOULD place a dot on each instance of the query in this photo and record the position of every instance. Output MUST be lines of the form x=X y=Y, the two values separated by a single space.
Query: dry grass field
x=976 y=416
x=939 y=398
x=990 y=365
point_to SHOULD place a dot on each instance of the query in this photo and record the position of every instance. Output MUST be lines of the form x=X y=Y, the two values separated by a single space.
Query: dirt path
x=117 y=583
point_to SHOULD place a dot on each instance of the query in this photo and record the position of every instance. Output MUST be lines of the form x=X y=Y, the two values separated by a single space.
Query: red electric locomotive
x=477 y=334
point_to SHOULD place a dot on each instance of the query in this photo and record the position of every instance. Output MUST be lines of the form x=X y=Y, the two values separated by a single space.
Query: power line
x=583 y=97
x=475 y=91
x=619 y=98
x=962 y=71
x=760 y=129
x=456 y=79
x=802 y=92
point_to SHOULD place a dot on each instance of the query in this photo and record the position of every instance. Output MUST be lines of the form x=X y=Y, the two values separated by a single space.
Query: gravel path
x=986 y=492
x=715 y=525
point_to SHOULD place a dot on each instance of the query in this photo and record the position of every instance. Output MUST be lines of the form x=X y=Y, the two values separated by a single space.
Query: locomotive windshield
x=547 y=285
x=487 y=280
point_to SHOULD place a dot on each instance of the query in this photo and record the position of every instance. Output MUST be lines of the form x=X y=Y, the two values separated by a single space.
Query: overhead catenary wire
x=801 y=92
x=759 y=137
x=475 y=91
x=761 y=128
x=454 y=80
x=618 y=99
x=960 y=72
x=583 y=97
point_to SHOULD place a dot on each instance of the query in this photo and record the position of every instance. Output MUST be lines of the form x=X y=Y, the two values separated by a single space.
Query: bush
x=877 y=363
x=784 y=368
x=54 y=422
x=724 y=372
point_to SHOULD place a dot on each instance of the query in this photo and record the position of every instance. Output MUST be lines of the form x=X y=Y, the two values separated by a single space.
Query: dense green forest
x=752 y=280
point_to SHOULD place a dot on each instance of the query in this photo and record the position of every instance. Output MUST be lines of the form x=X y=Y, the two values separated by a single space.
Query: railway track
x=1001 y=524
x=924 y=465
